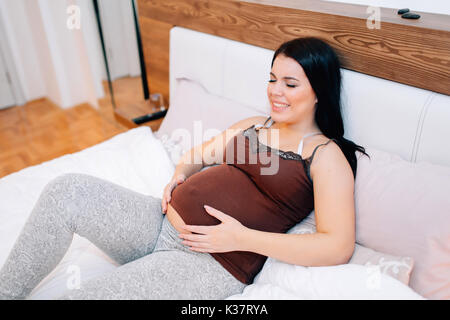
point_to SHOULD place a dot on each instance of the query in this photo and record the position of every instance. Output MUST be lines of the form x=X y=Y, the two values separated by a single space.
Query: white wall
x=432 y=6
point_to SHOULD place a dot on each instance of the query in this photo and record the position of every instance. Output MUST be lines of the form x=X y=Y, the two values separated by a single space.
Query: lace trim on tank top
x=256 y=146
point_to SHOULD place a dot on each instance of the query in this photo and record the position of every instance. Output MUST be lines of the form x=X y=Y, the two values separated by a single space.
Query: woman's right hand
x=167 y=194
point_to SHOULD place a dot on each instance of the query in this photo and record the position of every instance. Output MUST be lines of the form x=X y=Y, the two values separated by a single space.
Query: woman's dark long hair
x=322 y=67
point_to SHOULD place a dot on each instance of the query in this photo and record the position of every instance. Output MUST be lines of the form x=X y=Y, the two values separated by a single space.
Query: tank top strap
x=300 y=145
x=259 y=126
x=315 y=149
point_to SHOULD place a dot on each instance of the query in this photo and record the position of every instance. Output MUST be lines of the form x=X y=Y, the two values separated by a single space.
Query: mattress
x=136 y=159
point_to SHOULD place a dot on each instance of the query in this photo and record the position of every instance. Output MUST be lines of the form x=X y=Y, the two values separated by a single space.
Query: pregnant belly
x=224 y=188
x=175 y=219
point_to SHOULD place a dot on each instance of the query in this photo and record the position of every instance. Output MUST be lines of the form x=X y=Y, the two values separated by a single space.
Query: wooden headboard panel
x=413 y=52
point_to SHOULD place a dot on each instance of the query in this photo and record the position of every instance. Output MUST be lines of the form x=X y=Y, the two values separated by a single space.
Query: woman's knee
x=62 y=181
x=63 y=194
x=67 y=183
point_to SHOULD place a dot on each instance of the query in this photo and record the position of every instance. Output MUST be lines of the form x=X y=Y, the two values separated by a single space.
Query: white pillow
x=397 y=267
x=279 y=280
x=348 y=281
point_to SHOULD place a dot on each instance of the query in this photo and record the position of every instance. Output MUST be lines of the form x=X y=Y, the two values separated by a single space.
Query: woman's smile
x=279 y=107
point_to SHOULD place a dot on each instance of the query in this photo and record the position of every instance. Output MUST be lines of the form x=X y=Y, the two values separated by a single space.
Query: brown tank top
x=264 y=188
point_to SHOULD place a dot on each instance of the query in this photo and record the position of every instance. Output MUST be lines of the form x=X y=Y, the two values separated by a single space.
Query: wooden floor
x=40 y=130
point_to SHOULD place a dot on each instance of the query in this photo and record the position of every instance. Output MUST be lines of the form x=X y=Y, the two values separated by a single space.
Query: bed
x=401 y=194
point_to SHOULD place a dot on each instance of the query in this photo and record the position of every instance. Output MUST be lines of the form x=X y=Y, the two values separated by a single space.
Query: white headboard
x=378 y=113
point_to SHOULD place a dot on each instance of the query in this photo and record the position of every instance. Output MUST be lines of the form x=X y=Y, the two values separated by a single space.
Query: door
x=7 y=98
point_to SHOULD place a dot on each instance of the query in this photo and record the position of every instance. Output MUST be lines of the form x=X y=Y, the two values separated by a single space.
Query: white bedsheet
x=138 y=160
x=134 y=159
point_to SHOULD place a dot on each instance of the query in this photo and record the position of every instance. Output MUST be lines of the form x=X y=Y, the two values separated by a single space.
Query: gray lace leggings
x=126 y=225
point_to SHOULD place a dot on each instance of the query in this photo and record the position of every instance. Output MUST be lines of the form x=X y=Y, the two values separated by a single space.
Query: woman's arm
x=190 y=162
x=208 y=153
x=318 y=249
x=211 y=151
x=332 y=244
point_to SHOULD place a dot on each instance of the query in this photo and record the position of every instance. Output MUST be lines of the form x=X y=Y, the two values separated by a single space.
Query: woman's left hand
x=223 y=237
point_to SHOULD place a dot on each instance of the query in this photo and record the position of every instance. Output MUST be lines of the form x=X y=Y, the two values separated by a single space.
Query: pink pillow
x=403 y=209
x=193 y=103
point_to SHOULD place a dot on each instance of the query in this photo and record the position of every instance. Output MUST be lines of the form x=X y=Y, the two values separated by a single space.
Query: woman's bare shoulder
x=220 y=141
x=330 y=157
x=248 y=122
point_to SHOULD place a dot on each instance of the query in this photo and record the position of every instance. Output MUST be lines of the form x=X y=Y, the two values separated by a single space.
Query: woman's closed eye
x=287 y=84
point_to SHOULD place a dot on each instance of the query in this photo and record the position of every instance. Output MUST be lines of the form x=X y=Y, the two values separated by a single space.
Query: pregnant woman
x=213 y=229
